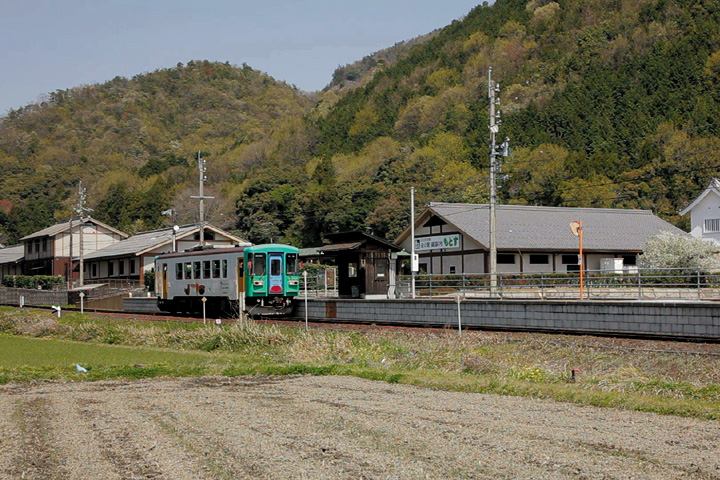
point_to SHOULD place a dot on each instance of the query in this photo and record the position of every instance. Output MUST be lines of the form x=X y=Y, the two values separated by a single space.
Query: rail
x=638 y=284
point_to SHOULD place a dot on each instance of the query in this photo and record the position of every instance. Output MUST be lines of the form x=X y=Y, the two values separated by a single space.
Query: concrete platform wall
x=682 y=319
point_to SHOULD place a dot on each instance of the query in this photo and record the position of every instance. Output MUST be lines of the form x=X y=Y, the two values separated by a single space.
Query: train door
x=275 y=279
x=240 y=276
x=163 y=280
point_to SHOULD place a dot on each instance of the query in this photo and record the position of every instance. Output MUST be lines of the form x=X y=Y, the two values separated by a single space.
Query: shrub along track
x=331 y=427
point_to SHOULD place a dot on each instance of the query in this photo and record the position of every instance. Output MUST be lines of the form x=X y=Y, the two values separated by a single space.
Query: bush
x=45 y=282
x=149 y=278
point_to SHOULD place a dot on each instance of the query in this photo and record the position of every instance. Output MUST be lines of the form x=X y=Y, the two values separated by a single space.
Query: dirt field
x=331 y=427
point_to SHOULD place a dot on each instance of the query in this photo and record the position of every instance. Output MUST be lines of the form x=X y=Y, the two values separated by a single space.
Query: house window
x=380 y=268
x=452 y=269
x=132 y=266
x=111 y=269
x=505 y=259
x=573 y=268
x=352 y=270
x=121 y=267
x=44 y=244
x=94 y=270
x=538 y=259
x=423 y=268
x=570 y=260
x=712 y=225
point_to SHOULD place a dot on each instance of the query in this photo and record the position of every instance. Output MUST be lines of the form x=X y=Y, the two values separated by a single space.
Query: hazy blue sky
x=48 y=45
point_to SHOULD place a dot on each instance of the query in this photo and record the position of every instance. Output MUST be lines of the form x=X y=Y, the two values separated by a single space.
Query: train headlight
x=258 y=283
x=293 y=283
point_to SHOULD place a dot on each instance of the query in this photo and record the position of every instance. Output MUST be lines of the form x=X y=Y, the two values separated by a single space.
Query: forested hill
x=606 y=103
x=133 y=143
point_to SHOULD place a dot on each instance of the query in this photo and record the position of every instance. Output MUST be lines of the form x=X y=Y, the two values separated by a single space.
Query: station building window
x=506 y=258
x=539 y=259
x=121 y=267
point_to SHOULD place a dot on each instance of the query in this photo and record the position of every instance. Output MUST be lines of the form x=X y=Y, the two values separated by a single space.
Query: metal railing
x=636 y=284
x=323 y=284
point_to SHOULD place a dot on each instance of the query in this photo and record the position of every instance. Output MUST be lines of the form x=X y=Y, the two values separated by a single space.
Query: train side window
x=178 y=271
x=224 y=269
x=291 y=261
x=216 y=269
x=258 y=264
x=188 y=271
x=206 y=269
x=196 y=269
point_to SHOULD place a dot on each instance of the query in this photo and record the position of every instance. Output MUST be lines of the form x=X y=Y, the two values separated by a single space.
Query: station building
x=454 y=238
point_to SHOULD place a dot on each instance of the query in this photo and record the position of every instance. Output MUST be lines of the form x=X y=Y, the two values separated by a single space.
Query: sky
x=48 y=45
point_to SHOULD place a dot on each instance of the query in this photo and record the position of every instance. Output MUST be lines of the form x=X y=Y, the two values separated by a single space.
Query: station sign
x=437 y=242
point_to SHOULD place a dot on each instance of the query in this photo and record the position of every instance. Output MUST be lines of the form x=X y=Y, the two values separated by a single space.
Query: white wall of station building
x=470 y=257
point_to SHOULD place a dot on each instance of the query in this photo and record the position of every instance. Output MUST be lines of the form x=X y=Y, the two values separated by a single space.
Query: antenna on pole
x=81 y=209
x=495 y=122
x=202 y=197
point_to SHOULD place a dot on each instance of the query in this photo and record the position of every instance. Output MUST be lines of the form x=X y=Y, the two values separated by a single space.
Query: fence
x=641 y=284
x=322 y=284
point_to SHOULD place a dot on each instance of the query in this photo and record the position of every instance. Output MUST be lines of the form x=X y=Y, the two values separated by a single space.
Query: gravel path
x=331 y=428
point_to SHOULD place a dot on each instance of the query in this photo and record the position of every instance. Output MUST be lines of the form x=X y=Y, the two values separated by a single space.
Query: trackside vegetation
x=661 y=377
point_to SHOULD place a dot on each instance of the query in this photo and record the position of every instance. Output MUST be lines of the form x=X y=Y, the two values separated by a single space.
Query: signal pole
x=202 y=169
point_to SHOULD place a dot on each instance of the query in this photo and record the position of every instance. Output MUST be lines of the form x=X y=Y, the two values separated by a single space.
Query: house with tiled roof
x=130 y=258
x=705 y=213
x=454 y=238
x=11 y=260
x=48 y=251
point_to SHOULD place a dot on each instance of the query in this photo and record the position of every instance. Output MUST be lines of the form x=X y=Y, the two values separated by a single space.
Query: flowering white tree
x=669 y=250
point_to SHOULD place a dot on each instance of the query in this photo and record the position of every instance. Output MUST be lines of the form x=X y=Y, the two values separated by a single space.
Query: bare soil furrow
x=332 y=428
x=37 y=458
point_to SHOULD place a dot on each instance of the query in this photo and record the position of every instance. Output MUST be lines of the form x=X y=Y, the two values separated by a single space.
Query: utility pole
x=413 y=259
x=202 y=170
x=495 y=122
x=81 y=209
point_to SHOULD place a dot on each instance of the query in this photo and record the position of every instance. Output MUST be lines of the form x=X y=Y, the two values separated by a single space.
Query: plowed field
x=330 y=428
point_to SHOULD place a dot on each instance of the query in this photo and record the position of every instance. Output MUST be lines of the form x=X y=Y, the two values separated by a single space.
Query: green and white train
x=260 y=280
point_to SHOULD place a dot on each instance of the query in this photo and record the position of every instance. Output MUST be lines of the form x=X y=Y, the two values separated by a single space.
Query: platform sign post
x=577 y=229
x=306 y=299
x=204 y=300
x=459 y=317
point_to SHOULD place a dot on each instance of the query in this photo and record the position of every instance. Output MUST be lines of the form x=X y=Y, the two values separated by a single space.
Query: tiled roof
x=548 y=228
x=147 y=240
x=12 y=254
x=61 y=227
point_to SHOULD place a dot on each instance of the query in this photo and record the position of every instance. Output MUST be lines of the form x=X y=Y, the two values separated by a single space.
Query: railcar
x=260 y=280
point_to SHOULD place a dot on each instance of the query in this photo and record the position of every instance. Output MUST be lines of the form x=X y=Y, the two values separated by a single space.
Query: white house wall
x=707 y=209
x=94 y=238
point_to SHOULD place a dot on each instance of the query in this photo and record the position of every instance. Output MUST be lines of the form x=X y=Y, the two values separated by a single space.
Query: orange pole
x=582 y=261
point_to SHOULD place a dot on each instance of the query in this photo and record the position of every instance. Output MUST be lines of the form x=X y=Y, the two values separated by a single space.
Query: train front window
x=216 y=268
x=178 y=271
x=275 y=266
x=196 y=269
x=224 y=269
x=188 y=271
x=258 y=264
x=291 y=261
